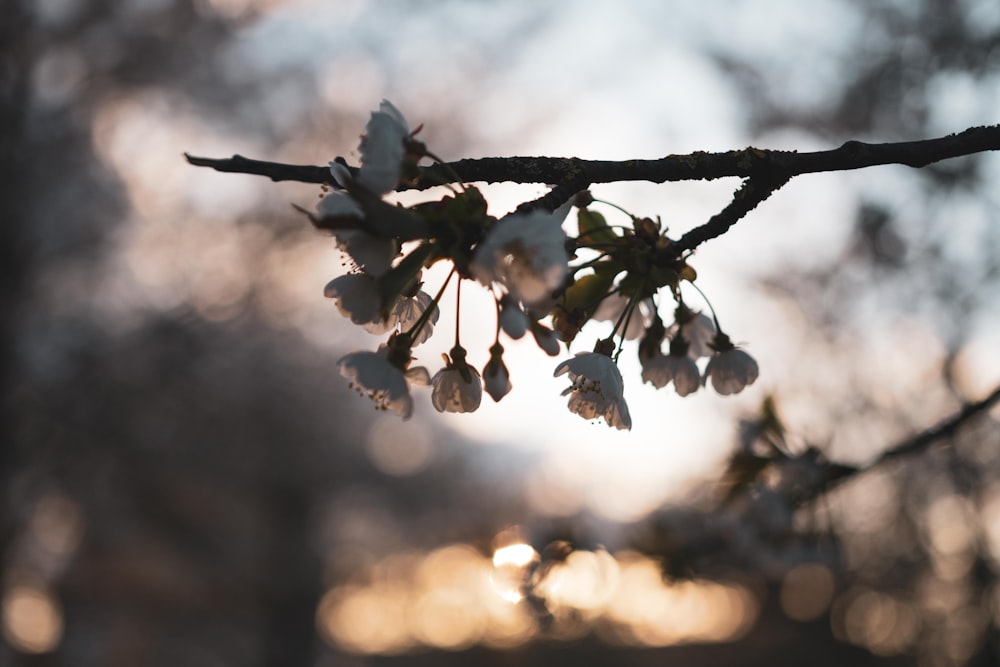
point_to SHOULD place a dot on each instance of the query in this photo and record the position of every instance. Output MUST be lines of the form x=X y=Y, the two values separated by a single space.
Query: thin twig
x=752 y=192
x=913 y=445
x=945 y=429
x=276 y=171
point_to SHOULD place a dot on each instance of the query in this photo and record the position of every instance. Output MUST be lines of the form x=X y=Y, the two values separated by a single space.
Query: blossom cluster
x=543 y=281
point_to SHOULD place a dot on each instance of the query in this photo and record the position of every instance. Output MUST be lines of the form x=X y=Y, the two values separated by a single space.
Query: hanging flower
x=374 y=375
x=526 y=252
x=383 y=149
x=356 y=296
x=731 y=369
x=496 y=377
x=457 y=386
x=372 y=253
x=697 y=328
x=677 y=367
x=652 y=338
x=407 y=310
x=597 y=389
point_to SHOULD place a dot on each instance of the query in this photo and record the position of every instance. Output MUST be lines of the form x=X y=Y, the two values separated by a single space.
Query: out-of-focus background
x=187 y=480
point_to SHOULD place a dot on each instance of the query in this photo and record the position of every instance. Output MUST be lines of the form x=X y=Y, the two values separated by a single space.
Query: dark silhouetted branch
x=276 y=171
x=945 y=429
x=912 y=445
x=746 y=163
x=765 y=171
x=752 y=192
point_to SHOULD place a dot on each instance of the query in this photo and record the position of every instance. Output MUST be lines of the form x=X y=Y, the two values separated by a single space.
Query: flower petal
x=731 y=371
x=373 y=375
x=382 y=150
x=699 y=332
x=339 y=204
x=452 y=393
x=356 y=296
x=597 y=389
x=681 y=370
x=526 y=252
x=369 y=252
x=418 y=376
x=341 y=174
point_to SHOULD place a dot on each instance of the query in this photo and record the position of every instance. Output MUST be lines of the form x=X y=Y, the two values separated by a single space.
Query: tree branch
x=276 y=171
x=746 y=163
x=945 y=429
x=752 y=192
x=837 y=474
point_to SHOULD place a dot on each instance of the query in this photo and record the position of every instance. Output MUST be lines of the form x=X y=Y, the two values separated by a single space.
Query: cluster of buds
x=542 y=281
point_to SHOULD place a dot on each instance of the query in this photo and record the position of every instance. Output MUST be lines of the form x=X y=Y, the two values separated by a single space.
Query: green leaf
x=593 y=228
x=580 y=301
x=588 y=291
x=608 y=267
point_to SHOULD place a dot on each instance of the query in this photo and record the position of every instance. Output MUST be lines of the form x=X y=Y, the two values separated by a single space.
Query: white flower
x=698 y=330
x=681 y=370
x=339 y=204
x=356 y=296
x=382 y=149
x=731 y=369
x=526 y=252
x=496 y=377
x=407 y=310
x=597 y=389
x=373 y=375
x=370 y=252
x=457 y=387
x=698 y=333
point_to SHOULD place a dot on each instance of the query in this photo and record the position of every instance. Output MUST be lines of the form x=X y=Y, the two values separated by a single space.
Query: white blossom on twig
x=597 y=389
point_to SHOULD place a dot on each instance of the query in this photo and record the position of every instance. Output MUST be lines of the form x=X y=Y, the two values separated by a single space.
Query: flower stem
x=496 y=301
x=590 y=262
x=613 y=205
x=622 y=323
x=426 y=315
x=448 y=169
x=709 y=303
x=458 y=310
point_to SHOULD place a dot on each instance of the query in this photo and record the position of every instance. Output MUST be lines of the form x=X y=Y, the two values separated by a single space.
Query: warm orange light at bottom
x=647 y=611
x=32 y=619
x=455 y=597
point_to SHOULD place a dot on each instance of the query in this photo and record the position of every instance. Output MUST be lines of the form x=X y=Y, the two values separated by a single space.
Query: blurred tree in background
x=187 y=480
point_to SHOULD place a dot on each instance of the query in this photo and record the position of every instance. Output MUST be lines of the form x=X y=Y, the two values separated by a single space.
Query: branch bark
x=764 y=171
x=749 y=162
